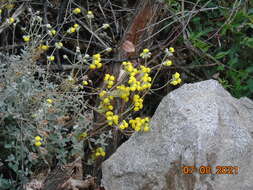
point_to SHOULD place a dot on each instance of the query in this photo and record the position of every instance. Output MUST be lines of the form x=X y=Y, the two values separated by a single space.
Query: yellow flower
x=44 y=47
x=83 y=135
x=90 y=15
x=96 y=56
x=37 y=138
x=171 y=49
x=173 y=82
x=97 y=154
x=106 y=100
x=146 y=51
x=109 y=80
x=38 y=143
x=169 y=52
x=71 y=30
x=146 y=128
x=112 y=78
x=123 y=125
x=109 y=113
x=100 y=152
x=176 y=75
x=50 y=58
x=92 y=66
x=85 y=83
x=145 y=54
x=140 y=124
x=52 y=32
x=101 y=94
x=58 y=45
x=26 y=38
x=107 y=76
x=179 y=80
x=76 y=26
x=11 y=20
x=167 y=63
x=76 y=11
x=176 y=79
x=50 y=101
x=99 y=65
x=110 y=107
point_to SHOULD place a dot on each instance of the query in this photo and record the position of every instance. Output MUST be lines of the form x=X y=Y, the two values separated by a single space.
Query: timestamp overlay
x=219 y=170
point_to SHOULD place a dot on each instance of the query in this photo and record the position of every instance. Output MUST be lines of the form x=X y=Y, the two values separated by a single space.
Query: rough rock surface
x=196 y=125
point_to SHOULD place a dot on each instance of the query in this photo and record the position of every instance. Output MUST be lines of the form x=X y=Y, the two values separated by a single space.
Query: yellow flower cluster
x=90 y=15
x=146 y=79
x=44 y=47
x=123 y=125
x=134 y=84
x=52 y=32
x=76 y=26
x=171 y=49
x=109 y=80
x=96 y=61
x=83 y=136
x=176 y=79
x=139 y=124
x=50 y=58
x=58 y=45
x=145 y=54
x=85 y=83
x=169 y=52
x=128 y=66
x=167 y=63
x=145 y=69
x=141 y=85
x=37 y=141
x=106 y=101
x=100 y=152
x=111 y=118
x=26 y=38
x=11 y=20
x=137 y=102
x=102 y=94
x=124 y=92
x=73 y=29
x=49 y=101
x=76 y=11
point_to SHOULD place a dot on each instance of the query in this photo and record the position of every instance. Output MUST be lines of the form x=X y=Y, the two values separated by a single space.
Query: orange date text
x=219 y=170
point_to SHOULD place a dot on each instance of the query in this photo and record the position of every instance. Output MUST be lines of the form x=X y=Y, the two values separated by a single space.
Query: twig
x=93 y=33
x=15 y=15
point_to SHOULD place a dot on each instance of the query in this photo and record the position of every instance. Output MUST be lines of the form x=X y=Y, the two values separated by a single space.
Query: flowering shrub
x=46 y=116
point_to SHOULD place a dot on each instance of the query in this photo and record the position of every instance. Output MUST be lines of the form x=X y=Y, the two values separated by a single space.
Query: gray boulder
x=198 y=128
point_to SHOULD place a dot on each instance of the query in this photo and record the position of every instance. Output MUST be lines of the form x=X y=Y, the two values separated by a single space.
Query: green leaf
x=249 y=69
x=201 y=45
x=222 y=54
x=248 y=42
x=233 y=61
x=220 y=68
x=250 y=85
